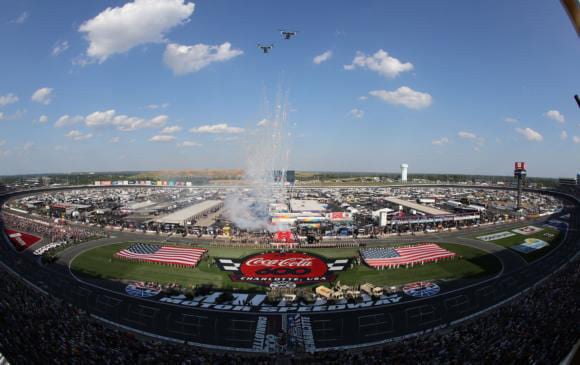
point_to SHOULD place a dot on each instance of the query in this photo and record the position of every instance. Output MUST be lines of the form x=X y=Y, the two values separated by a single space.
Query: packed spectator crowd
x=51 y=231
x=40 y=329
x=538 y=327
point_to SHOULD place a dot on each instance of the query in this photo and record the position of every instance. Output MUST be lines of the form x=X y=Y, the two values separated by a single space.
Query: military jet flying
x=287 y=34
x=265 y=47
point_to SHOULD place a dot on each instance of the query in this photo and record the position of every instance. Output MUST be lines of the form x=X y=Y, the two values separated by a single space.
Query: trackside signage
x=245 y=302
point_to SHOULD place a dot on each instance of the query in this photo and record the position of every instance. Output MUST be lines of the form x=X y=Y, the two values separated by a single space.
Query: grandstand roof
x=417 y=207
x=186 y=213
x=306 y=206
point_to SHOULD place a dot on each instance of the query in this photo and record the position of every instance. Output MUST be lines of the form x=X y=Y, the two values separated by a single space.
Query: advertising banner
x=527 y=230
x=496 y=236
x=282 y=269
x=530 y=245
x=339 y=216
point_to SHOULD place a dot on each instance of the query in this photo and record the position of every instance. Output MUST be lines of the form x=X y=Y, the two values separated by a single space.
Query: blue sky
x=445 y=86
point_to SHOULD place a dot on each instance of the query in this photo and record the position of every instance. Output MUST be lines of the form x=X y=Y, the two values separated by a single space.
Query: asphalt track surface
x=360 y=327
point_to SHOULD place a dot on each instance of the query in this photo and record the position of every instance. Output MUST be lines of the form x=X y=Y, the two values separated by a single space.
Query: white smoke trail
x=268 y=152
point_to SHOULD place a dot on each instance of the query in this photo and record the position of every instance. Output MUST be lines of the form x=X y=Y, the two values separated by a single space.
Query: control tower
x=520 y=174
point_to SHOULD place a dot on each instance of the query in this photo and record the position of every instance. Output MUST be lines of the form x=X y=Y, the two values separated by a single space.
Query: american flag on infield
x=381 y=257
x=169 y=255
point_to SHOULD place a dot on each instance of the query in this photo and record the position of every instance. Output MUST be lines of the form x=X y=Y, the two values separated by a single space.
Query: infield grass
x=99 y=263
x=547 y=234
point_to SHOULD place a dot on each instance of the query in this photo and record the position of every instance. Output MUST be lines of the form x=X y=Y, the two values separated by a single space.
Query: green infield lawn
x=472 y=263
x=509 y=242
x=99 y=262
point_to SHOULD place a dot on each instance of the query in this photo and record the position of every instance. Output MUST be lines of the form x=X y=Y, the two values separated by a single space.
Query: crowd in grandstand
x=540 y=326
x=50 y=231
x=35 y=329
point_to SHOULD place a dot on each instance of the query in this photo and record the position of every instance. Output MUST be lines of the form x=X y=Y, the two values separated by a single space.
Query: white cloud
x=99 y=118
x=42 y=95
x=171 y=129
x=77 y=135
x=114 y=140
x=8 y=99
x=404 y=96
x=479 y=141
x=183 y=59
x=14 y=116
x=576 y=139
x=440 y=142
x=263 y=123
x=510 y=120
x=467 y=135
x=28 y=146
x=43 y=119
x=555 y=115
x=322 y=57
x=222 y=128
x=157 y=122
x=21 y=19
x=380 y=62
x=162 y=138
x=59 y=47
x=2 y=142
x=82 y=60
x=363 y=97
x=564 y=135
x=530 y=134
x=157 y=106
x=66 y=120
x=123 y=123
x=185 y=144
x=117 y=30
x=357 y=113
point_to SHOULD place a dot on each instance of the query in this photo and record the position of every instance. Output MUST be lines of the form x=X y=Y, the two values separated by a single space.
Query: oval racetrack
x=323 y=330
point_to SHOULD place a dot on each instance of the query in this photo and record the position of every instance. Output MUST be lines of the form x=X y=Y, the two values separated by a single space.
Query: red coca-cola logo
x=283 y=265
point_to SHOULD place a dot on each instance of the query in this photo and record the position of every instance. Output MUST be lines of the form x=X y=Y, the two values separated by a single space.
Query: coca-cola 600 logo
x=267 y=268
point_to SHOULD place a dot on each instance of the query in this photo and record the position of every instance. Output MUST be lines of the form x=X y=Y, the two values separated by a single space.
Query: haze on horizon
x=446 y=87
